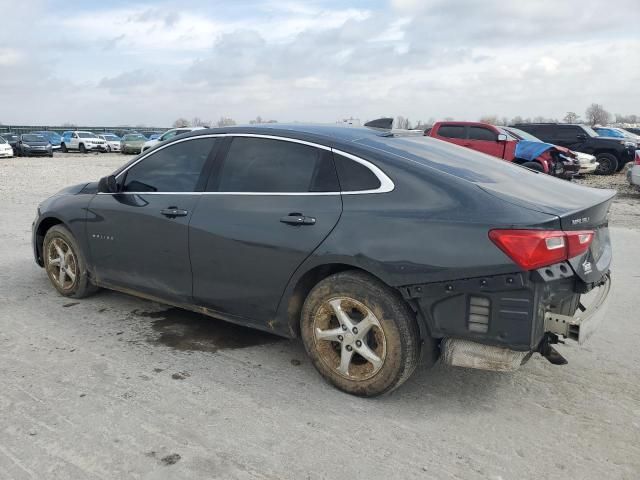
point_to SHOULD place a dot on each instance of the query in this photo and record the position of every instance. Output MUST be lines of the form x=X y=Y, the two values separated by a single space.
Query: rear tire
x=608 y=164
x=65 y=263
x=535 y=166
x=360 y=334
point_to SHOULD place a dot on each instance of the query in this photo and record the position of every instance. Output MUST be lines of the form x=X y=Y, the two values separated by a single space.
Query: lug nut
x=340 y=337
x=344 y=327
x=355 y=330
x=349 y=348
x=358 y=343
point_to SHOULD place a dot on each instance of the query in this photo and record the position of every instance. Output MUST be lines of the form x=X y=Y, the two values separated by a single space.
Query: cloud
x=317 y=60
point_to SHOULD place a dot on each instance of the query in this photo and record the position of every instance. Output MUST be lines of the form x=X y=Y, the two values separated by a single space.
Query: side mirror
x=108 y=185
x=502 y=137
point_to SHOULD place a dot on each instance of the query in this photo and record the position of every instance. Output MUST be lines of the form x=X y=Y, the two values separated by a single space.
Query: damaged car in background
x=380 y=251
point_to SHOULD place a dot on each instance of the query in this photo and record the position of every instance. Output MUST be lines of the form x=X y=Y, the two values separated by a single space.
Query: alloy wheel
x=349 y=338
x=62 y=264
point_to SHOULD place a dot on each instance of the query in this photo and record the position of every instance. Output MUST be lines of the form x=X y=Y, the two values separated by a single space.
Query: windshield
x=110 y=137
x=590 y=131
x=9 y=136
x=522 y=135
x=2 y=140
x=33 y=138
x=50 y=135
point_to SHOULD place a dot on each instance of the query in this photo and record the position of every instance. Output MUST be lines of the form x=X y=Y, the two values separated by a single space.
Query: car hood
x=72 y=189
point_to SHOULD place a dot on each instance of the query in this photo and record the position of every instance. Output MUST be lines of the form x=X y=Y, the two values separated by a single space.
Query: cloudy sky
x=150 y=62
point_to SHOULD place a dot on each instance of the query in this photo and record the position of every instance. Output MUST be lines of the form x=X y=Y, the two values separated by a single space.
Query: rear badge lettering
x=579 y=221
x=586 y=266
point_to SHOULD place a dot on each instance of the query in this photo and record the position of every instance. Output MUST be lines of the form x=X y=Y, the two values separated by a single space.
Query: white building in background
x=349 y=122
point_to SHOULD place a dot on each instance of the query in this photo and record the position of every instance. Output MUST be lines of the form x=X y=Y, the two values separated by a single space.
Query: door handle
x=173 y=212
x=298 y=219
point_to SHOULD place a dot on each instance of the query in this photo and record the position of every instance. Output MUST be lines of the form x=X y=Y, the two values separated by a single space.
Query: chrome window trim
x=386 y=184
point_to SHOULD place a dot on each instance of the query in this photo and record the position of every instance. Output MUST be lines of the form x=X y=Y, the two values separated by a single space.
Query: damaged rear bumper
x=579 y=327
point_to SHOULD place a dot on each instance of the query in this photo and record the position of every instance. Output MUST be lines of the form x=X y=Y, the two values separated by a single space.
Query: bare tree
x=516 y=120
x=571 y=117
x=181 y=122
x=597 y=115
x=490 y=119
x=403 y=123
x=226 y=122
x=198 y=122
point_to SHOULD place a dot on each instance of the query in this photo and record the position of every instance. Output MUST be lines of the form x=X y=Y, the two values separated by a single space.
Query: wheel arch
x=299 y=287
x=43 y=227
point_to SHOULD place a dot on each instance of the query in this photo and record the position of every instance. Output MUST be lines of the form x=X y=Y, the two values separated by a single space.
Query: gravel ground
x=117 y=387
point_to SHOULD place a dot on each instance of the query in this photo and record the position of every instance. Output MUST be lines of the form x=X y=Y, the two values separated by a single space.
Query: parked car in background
x=82 y=141
x=617 y=133
x=55 y=139
x=379 y=251
x=5 y=149
x=611 y=153
x=634 y=130
x=132 y=143
x=11 y=138
x=155 y=136
x=112 y=141
x=633 y=173
x=496 y=141
x=167 y=135
x=31 y=144
x=588 y=163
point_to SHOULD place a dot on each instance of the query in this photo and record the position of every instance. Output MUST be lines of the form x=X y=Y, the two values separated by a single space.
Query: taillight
x=637 y=162
x=532 y=249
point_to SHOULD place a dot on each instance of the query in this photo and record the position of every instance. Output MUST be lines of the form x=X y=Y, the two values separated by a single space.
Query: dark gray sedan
x=379 y=251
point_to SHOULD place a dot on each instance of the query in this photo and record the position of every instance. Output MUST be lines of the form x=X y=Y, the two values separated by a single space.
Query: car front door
x=269 y=204
x=139 y=237
x=569 y=136
x=485 y=140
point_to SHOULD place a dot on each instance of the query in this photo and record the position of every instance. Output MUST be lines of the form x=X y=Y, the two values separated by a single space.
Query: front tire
x=65 y=264
x=63 y=148
x=83 y=149
x=360 y=335
x=608 y=164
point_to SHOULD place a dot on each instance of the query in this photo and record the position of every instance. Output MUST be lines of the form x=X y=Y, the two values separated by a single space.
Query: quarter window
x=481 y=133
x=451 y=131
x=175 y=168
x=271 y=166
x=354 y=176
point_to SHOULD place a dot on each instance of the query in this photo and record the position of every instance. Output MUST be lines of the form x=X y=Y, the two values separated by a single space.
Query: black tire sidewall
x=398 y=323
x=535 y=166
x=611 y=162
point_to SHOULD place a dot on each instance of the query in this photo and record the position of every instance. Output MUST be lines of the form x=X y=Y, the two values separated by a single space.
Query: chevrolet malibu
x=380 y=251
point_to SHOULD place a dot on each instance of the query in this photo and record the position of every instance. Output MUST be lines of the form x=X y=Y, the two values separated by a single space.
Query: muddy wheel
x=360 y=335
x=607 y=164
x=65 y=264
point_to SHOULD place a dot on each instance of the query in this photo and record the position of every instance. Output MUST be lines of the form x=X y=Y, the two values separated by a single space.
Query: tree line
x=222 y=122
x=595 y=114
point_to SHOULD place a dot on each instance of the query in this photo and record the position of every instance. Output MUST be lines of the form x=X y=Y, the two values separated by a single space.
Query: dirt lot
x=117 y=387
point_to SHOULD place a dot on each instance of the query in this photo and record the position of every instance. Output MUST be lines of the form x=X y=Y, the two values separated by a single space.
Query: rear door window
x=176 y=168
x=451 y=131
x=260 y=165
x=482 y=133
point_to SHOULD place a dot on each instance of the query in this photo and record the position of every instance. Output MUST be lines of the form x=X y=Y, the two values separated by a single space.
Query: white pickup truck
x=82 y=141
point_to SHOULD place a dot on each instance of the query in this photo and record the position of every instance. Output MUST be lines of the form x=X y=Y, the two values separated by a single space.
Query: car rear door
x=270 y=203
x=451 y=133
x=139 y=238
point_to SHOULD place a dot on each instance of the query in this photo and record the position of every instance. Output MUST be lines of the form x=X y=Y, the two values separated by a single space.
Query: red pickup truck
x=502 y=144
